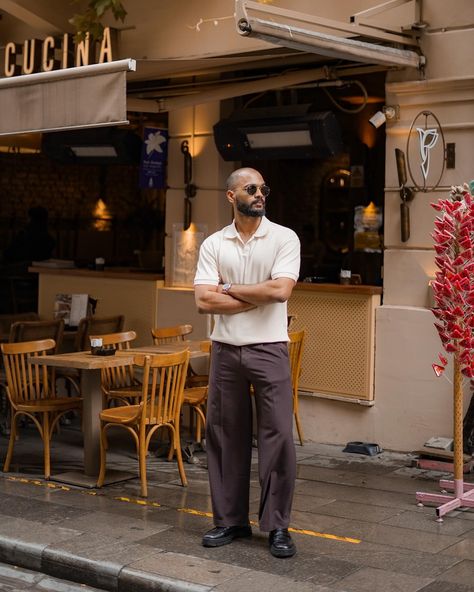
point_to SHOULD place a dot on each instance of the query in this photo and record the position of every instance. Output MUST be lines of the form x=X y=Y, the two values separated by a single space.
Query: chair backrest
x=27 y=382
x=37 y=330
x=164 y=377
x=295 y=351
x=174 y=334
x=122 y=376
x=96 y=326
x=6 y=321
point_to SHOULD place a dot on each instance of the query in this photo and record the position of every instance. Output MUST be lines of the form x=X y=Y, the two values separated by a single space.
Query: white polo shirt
x=272 y=252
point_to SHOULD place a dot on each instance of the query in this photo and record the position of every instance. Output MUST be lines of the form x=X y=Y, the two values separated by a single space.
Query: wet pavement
x=355 y=523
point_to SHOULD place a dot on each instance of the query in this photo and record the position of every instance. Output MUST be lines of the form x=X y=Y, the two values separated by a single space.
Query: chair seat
x=195 y=395
x=50 y=404
x=123 y=414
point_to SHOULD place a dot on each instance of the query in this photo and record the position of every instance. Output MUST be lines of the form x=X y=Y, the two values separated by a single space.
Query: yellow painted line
x=325 y=535
x=195 y=512
x=140 y=502
x=47 y=484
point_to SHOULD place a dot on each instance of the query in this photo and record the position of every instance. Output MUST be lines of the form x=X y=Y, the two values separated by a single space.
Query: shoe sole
x=225 y=541
x=281 y=553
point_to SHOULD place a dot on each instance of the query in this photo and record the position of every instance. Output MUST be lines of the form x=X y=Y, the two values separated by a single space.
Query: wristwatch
x=226 y=287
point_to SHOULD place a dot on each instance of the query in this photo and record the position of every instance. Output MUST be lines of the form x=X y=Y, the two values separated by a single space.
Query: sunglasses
x=252 y=189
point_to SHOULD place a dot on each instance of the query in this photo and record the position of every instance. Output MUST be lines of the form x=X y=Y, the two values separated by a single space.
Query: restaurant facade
x=318 y=96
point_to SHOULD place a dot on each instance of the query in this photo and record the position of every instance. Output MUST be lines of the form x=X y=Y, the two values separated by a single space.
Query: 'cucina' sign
x=54 y=53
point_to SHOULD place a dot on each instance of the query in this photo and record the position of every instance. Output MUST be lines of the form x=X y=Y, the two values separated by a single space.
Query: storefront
x=409 y=56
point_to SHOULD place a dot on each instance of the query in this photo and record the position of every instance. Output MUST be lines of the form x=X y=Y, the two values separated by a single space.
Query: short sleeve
x=207 y=271
x=288 y=259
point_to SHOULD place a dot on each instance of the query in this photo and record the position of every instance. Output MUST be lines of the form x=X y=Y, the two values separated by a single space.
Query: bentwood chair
x=119 y=384
x=164 y=376
x=162 y=335
x=96 y=326
x=177 y=334
x=36 y=330
x=295 y=351
x=31 y=392
x=87 y=326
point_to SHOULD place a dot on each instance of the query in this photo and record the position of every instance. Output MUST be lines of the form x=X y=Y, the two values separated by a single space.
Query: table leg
x=91 y=407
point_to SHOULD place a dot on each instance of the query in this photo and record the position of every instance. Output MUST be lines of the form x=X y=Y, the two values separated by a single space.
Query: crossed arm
x=243 y=297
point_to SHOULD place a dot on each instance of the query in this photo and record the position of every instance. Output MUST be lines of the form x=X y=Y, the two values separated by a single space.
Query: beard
x=247 y=209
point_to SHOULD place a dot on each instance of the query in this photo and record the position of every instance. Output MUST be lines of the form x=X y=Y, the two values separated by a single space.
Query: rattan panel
x=339 y=344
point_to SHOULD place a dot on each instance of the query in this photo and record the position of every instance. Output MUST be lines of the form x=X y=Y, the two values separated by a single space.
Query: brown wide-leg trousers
x=229 y=433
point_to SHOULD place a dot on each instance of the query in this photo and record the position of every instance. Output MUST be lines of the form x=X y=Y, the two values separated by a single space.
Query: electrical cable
x=345 y=109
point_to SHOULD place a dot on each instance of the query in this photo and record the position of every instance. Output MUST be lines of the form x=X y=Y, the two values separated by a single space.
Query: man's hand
x=267 y=292
x=211 y=300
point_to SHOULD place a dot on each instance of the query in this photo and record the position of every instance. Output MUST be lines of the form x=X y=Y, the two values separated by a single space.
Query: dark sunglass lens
x=251 y=189
x=265 y=189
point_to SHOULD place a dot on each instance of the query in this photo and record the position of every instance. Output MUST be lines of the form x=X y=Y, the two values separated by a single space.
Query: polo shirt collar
x=231 y=231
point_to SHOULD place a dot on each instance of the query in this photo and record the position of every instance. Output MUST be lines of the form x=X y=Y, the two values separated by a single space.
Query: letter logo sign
x=426 y=151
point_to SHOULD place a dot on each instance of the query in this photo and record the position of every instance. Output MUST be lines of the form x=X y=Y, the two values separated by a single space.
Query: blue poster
x=153 y=158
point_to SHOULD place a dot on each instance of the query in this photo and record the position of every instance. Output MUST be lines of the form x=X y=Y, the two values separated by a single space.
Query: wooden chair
x=96 y=326
x=164 y=376
x=32 y=393
x=162 y=335
x=196 y=398
x=295 y=350
x=86 y=327
x=7 y=320
x=119 y=384
x=176 y=334
x=36 y=330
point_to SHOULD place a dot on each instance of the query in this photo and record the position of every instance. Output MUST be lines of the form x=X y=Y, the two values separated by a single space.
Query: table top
x=86 y=361
x=82 y=360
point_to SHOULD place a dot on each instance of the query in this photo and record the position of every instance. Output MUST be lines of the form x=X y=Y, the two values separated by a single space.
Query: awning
x=299 y=31
x=86 y=96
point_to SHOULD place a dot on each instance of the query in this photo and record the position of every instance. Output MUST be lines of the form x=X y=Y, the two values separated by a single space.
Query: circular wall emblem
x=426 y=151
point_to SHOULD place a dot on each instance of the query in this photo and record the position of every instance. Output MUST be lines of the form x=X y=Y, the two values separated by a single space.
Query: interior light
x=93 y=151
x=279 y=139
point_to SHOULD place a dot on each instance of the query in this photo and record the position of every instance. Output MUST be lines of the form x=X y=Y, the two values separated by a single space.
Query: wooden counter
x=112 y=272
x=118 y=291
x=339 y=350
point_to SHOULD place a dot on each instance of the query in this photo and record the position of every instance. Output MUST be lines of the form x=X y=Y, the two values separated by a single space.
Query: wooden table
x=92 y=406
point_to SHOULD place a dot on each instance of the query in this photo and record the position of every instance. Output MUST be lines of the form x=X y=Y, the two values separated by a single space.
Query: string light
x=214 y=21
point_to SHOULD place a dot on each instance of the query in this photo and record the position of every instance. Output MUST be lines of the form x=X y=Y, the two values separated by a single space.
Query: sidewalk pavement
x=356 y=526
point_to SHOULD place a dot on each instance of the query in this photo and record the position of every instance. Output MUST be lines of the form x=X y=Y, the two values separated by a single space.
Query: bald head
x=238 y=177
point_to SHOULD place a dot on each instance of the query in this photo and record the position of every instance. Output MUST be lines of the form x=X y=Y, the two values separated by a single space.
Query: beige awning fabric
x=299 y=31
x=86 y=96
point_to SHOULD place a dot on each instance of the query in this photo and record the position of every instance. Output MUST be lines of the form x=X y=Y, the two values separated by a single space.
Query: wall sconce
x=388 y=113
x=406 y=195
x=190 y=189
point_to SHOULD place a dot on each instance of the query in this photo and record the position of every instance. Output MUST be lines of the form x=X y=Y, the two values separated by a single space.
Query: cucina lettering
x=55 y=53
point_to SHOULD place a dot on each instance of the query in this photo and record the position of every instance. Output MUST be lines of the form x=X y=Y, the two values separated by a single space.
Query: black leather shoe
x=223 y=535
x=281 y=544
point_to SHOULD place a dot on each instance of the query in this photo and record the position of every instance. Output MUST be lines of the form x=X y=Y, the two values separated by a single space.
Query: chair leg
x=103 y=448
x=46 y=448
x=142 y=463
x=297 y=420
x=179 y=456
x=11 y=442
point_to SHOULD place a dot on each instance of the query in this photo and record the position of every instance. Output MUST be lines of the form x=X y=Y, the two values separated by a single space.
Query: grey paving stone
x=396 y=536
x=368 y=579
x=440 y=586
x=255 y=581
x=461 y=573
x=360 y=511
x=463 y=549
x=93 y=558
x=189 y=568
x=127 y=528
x=132 y=580
x=424 y=520
x=40 y=511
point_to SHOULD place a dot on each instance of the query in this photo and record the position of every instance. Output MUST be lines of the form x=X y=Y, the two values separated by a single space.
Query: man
x=245 y=275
